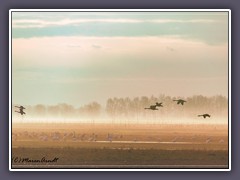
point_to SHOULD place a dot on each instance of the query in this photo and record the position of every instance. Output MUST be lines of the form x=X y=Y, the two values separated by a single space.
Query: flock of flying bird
x=152 y=107
x=179 y=101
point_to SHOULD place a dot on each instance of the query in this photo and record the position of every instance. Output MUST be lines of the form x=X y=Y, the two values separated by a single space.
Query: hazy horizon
x=131 y=111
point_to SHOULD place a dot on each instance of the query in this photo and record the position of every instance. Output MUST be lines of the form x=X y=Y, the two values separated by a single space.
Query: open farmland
x=119 y=146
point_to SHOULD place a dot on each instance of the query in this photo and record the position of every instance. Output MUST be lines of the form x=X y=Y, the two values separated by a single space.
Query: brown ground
x=119 y=146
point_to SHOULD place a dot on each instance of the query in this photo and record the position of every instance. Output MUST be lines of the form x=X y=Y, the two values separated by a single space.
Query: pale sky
x=80 y=57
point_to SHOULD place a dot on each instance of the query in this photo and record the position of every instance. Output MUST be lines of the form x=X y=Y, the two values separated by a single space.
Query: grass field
x=119 y=146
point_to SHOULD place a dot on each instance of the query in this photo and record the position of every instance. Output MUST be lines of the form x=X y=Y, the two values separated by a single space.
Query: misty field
x=119 y=146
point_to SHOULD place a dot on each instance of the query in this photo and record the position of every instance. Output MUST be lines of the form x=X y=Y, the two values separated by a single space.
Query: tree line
x=125 y=108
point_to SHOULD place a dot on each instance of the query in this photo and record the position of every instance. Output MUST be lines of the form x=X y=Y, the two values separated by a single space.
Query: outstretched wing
x=20 y=107
x=20 y=112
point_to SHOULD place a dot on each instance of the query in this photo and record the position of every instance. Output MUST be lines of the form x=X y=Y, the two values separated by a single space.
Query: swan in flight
x=204 y=115
x=180 y=101
x=21 y=108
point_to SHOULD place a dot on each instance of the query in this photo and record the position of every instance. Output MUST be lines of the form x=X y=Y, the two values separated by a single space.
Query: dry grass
x=86 y=144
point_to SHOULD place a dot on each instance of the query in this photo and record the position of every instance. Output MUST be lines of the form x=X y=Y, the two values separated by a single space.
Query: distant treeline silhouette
x=135 y=108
